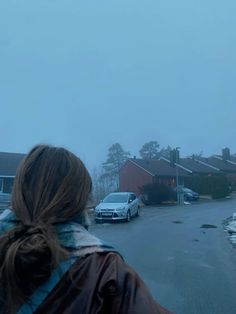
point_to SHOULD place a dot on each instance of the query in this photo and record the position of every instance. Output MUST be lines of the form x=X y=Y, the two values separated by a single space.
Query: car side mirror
x=129 y=201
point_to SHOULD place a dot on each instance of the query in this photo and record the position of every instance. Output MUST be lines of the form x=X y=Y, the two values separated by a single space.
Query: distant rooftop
x=195 y=166
x=233 y=158
x=9 y=163
x=217 y=162
x=158 y=167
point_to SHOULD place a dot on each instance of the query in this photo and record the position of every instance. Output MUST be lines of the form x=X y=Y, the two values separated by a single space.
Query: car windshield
x=116 y=198
x=187 y=190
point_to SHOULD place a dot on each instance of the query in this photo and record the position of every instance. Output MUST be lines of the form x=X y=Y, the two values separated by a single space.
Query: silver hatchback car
x=117 y=206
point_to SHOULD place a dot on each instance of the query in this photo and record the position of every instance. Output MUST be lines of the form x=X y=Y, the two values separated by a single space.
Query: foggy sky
x=87 y=74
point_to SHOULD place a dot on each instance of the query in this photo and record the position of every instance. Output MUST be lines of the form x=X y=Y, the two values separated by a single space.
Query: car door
x=135 y=204
x=132 y=204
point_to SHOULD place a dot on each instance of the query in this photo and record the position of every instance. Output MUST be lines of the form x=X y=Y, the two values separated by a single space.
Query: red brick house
x=136 y=173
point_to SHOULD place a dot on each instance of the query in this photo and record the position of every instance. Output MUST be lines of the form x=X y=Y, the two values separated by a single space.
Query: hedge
x=216 y=186
x=157 y=193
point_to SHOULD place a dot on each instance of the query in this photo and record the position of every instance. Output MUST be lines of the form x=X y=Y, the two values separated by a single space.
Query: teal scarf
x=72 y=236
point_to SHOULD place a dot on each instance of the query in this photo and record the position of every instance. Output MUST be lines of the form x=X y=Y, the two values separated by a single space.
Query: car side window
x=132 y=197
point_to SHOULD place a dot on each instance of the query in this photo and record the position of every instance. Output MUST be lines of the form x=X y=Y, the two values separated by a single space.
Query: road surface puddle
x=208 y=226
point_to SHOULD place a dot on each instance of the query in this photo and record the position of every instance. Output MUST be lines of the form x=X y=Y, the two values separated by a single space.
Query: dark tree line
x=106 y=179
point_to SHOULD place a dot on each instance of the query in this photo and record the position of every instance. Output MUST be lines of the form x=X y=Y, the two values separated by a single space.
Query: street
x=190 y=268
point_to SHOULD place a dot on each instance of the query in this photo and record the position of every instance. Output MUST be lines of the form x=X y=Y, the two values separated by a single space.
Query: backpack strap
x=43 y=291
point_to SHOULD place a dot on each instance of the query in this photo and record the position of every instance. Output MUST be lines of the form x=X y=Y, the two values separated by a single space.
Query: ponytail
x=28 y=254
x=51 y=186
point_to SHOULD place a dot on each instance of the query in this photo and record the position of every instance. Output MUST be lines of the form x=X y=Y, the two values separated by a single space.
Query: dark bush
x=157 y=193
x=220 y=187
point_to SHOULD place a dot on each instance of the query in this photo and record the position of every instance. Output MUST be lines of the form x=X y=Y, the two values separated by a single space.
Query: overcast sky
x=87 y=74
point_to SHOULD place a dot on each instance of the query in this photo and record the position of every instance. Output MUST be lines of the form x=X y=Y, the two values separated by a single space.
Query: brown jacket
x=100 y=283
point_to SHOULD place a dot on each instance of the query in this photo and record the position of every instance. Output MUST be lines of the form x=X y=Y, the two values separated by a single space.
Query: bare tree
x=150 y=150
x=115 y=159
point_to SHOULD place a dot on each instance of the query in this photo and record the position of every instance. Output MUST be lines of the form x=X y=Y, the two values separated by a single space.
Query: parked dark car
x=190 y=195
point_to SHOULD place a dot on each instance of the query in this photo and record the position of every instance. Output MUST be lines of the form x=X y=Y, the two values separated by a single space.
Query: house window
x=8 y=184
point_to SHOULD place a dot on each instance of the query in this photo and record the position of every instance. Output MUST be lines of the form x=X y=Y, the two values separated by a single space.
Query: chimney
x=177 y=156
x=174 y=157
x=226 y=154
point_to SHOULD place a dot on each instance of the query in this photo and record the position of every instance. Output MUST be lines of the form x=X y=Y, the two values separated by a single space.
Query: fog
x=87 y=74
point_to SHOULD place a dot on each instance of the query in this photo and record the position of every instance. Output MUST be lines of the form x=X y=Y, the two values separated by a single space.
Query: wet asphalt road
x=189 y=269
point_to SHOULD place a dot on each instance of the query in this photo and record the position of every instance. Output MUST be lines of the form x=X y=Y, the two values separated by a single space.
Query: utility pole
x=177 y=173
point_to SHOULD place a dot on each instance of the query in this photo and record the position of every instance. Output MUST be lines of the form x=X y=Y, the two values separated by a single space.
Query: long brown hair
x=52 y=185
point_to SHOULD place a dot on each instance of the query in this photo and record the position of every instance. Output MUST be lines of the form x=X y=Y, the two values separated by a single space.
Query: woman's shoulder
x=101 y=280
x=99 y=262
x=117 y=282
x=83 y=285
